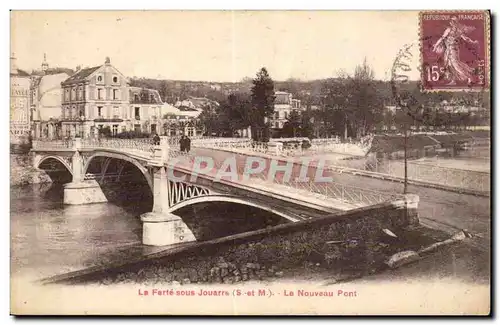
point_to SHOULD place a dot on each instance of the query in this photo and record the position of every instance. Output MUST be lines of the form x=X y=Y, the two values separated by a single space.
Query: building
x=46 y=100
x=197 y=103
x=94 y=98
x=20 y=113
x=284 y=103
x=146 y=110
x=179 y=121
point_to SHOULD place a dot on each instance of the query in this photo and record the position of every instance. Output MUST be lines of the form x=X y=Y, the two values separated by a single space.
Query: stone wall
x=350 y=240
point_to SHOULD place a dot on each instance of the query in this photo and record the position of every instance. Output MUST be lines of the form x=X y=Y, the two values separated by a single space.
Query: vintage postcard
x=250 y=163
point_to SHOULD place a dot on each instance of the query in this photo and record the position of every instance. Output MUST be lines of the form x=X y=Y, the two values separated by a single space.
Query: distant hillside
x=309 y=92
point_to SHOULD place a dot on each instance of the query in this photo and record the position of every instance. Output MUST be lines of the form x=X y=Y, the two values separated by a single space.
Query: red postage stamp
x=454 y=49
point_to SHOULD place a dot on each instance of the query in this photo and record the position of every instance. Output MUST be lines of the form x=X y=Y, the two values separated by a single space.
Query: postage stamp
x=454 y=50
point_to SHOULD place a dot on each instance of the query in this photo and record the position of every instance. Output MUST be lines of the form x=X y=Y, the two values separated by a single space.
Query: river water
x=49 y=238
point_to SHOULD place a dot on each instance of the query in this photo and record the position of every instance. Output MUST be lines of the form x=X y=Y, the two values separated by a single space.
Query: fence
x=52 y=144
x=421 y=171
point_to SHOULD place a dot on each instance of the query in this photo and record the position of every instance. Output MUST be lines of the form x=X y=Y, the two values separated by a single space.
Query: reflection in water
x=49 y=238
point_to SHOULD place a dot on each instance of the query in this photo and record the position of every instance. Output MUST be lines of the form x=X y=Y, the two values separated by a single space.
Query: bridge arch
x=126 y=158
x=229 y=199
x=59 y=159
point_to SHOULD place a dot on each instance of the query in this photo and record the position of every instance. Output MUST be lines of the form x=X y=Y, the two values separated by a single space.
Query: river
x=49 y=238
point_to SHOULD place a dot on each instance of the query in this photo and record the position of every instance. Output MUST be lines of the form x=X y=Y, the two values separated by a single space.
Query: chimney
x=107 y=61
x=13 y=64
x=78 y=68
x=45 y=65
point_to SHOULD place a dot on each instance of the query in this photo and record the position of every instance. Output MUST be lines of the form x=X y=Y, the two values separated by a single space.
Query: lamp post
x=82 y=119
x=405 y=126
x=405 y=147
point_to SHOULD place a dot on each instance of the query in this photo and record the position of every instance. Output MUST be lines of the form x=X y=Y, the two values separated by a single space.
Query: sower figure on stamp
x=449 y=46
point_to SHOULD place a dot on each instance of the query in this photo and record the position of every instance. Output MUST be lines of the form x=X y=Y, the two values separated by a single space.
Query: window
x=153 y=128
x=286 y=114
x=137 y=128
x=99 y=111
x=136 y=97
x=276 y=115
x=152 y=98
x=66 y=95
x=276 y=125
x=99 y=78
x=115 y=79
x=73 y=94
x=99 y=93
x=116 y=112
x=115 y=129
x=115 y=93
x=124 y=128
x=137 y=113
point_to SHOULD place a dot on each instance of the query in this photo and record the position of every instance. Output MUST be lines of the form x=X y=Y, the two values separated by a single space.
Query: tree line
x=349 y=105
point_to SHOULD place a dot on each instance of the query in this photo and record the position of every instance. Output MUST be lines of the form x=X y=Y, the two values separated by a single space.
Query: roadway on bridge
x=438 y=208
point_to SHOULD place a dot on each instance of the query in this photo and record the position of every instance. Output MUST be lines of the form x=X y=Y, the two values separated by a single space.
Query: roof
x=448 y=140
x=168 y=109
x=186 y=108
x=81 y=75
x=138 y=91
x=49 y=82
x=20 y=73
x=201 y=101
x=282 y=97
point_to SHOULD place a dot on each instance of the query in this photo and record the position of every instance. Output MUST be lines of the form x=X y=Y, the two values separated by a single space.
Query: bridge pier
x=410 y=205
x=83 y=192
x=80 y=191
x=161 y=227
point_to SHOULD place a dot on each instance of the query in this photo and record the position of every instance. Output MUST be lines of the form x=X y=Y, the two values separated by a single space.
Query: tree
x=365 y=103
x=105 y=132
x=238 y=109
x=211 y=120
x=163 y=90
x=263 y=104
x=356 y=100
x=306 y=127
x=292 y=126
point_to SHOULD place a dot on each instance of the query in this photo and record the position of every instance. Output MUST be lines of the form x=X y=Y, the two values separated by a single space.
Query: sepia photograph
x=250 y=162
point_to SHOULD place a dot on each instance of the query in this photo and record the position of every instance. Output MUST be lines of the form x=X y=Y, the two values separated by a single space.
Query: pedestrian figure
x=187 y=144
x=182 y=143
x=156 y=139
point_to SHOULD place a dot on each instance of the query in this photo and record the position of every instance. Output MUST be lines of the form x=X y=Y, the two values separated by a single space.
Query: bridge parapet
x=42 y=144
x=145 y=145
x=276 y=147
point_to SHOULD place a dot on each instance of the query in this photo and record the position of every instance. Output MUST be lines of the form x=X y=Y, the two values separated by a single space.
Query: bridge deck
x=282 y=192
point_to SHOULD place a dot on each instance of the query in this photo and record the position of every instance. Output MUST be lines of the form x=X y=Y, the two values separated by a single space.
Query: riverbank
x=22 y=171
x=343 y=262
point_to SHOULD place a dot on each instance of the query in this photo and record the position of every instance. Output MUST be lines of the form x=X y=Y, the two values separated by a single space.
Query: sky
x=214 y=45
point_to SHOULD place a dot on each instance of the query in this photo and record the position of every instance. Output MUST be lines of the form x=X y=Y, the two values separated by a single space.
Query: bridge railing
x=144 y=145
x=329 y=189
x=275 y=147
x=46 y=144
